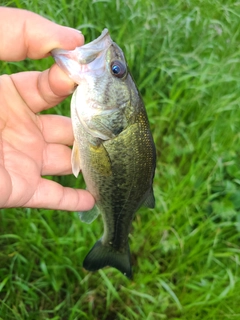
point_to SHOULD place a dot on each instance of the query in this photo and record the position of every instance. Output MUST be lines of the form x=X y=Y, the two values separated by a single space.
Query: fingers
x=56 y=129
x=56 y=160
x=51 y=195
x=5 y=185
x=57 y=133
x=26 y=34
x=42 y=90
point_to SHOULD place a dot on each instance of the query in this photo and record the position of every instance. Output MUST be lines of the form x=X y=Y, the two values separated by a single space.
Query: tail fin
x=101 y=256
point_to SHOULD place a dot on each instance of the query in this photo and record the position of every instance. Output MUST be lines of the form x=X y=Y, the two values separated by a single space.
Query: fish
x=113 y=145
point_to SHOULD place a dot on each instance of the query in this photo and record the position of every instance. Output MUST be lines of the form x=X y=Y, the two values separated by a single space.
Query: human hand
x=33 y=145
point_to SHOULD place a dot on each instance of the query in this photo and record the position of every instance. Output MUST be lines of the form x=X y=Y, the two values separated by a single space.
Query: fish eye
x=118 y=69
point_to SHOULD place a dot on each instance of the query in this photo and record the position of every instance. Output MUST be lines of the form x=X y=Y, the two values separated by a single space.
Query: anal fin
x=89 y=216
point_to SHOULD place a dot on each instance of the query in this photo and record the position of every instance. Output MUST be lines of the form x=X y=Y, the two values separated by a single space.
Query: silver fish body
x=113 y=145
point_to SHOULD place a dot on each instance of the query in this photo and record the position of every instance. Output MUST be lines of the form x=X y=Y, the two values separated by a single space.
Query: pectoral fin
x=100 y=161
x=76 y=168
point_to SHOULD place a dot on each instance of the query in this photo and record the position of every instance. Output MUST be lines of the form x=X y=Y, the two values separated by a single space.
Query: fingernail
x=75 y=30
x=74 y=88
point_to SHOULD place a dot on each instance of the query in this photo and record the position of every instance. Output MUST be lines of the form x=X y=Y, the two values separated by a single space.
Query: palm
x=22 y=152
x=33 y=145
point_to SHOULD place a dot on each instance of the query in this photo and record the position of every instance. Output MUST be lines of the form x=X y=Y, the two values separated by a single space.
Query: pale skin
x=34 y=145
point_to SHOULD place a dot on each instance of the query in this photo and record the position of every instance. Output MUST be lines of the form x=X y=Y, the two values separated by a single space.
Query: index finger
x=26 y=34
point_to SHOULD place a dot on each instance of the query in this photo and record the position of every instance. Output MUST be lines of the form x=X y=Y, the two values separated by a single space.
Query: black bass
x=113 y=145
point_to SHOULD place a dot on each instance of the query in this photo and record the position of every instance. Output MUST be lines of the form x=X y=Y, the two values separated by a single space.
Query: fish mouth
x=82 y=60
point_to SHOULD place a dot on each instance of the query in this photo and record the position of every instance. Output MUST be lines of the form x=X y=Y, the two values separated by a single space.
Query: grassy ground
x=185 y=57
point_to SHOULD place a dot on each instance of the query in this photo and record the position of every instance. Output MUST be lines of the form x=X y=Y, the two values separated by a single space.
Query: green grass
x=185 y=58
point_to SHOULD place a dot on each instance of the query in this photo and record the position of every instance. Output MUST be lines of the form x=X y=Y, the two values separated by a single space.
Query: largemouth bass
x=113 y=145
